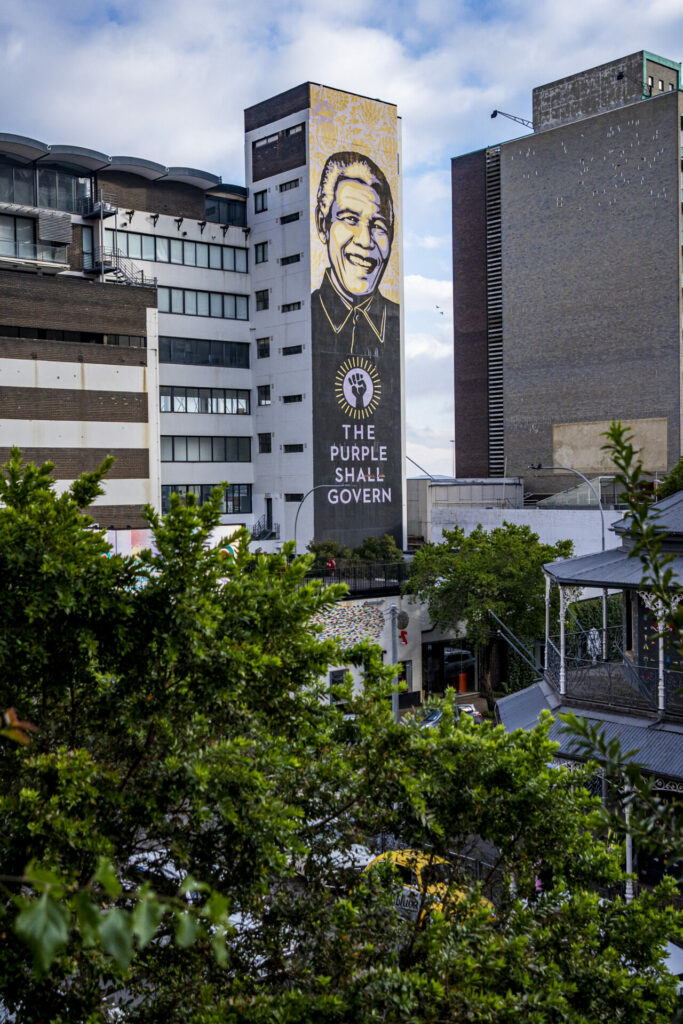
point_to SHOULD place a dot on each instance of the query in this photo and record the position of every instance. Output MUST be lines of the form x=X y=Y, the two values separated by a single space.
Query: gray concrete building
x=567 y=279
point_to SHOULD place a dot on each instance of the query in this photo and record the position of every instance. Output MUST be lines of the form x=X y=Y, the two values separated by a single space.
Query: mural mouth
x=362 y=262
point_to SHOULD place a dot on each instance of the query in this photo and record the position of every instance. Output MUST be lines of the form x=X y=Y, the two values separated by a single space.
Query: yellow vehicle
x=427 y=882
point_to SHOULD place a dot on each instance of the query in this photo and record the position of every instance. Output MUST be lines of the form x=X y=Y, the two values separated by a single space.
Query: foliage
x=671 y=484
x=170 y=838
x=372 y=549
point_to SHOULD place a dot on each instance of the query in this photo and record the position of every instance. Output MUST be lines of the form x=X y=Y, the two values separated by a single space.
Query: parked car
x=427 y=882
x=434 y=716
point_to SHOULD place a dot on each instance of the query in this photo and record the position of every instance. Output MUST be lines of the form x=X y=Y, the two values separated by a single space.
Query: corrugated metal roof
x=666 y=514
x=611 y=568
x=659 y=745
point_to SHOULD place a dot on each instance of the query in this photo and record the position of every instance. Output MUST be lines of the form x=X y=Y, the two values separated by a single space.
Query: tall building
x=204 y=332
x=567 y=279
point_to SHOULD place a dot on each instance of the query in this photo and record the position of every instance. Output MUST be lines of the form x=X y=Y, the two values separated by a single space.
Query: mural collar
x=339 y=311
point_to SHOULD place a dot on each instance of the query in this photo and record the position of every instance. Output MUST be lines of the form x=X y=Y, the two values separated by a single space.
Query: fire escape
x=106 y=260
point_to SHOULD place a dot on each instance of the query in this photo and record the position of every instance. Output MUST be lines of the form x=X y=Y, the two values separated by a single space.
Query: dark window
x=236 y=497
x=291 y=449
x=61 y=189
x=286 y=260
x=193 y=303
x=225 y=401
x=261 y=252
x=290 y=307
x=289 y=218
x=262 y=300
x=287 y=185
x=198 y=352
x=226 y=211
x=260 y=201
x=288 y=399
x=265 y=444
x=16 y=183
x=294 y=497
x=205 y=449
x=262 y=348
x=263 y=394
x=292 y=350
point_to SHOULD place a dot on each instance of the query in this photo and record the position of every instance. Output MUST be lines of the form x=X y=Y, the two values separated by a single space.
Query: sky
x=168 y=81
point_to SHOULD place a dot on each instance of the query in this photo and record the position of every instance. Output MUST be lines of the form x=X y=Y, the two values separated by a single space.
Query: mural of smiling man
x=355 y=316
x=354 y=217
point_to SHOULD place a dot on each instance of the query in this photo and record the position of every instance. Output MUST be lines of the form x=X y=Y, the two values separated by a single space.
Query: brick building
x=567 y=279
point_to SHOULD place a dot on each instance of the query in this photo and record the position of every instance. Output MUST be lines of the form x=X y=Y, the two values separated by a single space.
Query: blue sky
x=168 y=81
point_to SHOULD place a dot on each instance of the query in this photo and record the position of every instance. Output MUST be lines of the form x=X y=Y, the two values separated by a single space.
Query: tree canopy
x=173 y=835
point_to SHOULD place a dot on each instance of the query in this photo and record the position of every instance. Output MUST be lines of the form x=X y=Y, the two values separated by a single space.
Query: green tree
x=172 y=839
x=671 y=484
x=468 y=576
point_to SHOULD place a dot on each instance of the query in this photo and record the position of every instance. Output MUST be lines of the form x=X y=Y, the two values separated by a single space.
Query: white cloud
x=426 y=294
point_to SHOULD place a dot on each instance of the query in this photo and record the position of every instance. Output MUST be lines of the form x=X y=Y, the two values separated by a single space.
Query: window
x=16 y=183
x=292 y=350
x=262 y=348
x=289 y=399
x=671 y=86
x=261 y=252
x=290 y=449
x=260 y=201
x=265 y=444
x=193 y=303
x=262 y=300
x=60 y=189
x=205 y=449
x=660 y=85
x=287 y=185
x=286 y=260
x=236 y=498
x=294 y=497
x=289 y=218
x=294 y=130
x=650 y=81
x=289 y=307
x=225 y=211
x=175 y=250
x=226 y=401
x=263 y=394
x=198 y=352
x=17 y=237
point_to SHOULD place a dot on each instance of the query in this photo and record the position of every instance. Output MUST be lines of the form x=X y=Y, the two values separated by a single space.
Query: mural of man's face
x=358 y=238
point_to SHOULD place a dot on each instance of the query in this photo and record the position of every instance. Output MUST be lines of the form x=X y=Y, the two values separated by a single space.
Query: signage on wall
x=355 y=316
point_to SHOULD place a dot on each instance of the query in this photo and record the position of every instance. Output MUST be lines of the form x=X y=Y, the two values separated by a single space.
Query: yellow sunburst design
x=369 y=374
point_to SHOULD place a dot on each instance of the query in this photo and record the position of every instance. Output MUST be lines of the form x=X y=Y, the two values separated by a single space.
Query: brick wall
x=71 y=352
x=68 y=404
x=168 y=197
x=130 y=464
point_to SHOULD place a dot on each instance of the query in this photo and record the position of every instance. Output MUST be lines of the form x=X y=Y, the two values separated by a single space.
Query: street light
x=296 y=517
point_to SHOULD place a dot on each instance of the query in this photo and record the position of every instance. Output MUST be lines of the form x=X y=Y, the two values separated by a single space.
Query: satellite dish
x=402 y=620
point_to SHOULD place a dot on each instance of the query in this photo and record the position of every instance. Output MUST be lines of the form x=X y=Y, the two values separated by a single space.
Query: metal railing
x=112 y=261
x=34 y=252
x=365 y=577
x=265 y=530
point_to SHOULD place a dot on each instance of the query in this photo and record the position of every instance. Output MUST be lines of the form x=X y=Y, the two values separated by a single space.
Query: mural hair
x=350 y=166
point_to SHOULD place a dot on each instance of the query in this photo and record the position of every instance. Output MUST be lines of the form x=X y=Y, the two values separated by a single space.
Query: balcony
x=45 y=257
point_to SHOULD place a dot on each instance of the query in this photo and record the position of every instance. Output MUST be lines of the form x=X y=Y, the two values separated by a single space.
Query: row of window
x=79 y=337
x=195 y=303
x=205 y=449
x=236 y=499
x=263 y=349
x=219 y=210
x=225 y=401
x=660 y=84
x=53 y=187
x=18 y=241
x=262 y=298
x=263 y=396
x=201 y=352
x=174 y=250
x=261 y=255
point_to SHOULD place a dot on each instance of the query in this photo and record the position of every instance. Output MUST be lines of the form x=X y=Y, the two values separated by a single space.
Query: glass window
x=148 y=247
x=215 y=261
x=202 y=303
x=23 y=185
x=263 y=394
x=135 y=246
x=287 y=185
x=205 y=399
x=189 y=254
x=291 y=449
x=202 y=254
x=176 y=300
x=241 y=261
x=121 y=242
x=219 y=449
x=205 y=449
x=192 y=449
x=164 y=300
x=176 y=250
x=162 y=250
x=262 y=348
x=228 y=258
x=292 y=350
x=229 y=307
x=190 y=303
x=289 y=399
x=265 y=444
x=241 y=307
x=6 y=236
x=165 y=399
x=218 y=401
x=180 y=449
x=289 y=307
x=260 y=201
x=261 y=252
x=294 y=497
x=167 y=449
x=192 y=395
x=216 y=304
x=179 y=400
x=108 y=239
x=262 y=299
x=290 y=218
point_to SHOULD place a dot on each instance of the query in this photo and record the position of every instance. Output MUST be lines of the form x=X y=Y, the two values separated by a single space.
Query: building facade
x=567 y=279
x=170 y=321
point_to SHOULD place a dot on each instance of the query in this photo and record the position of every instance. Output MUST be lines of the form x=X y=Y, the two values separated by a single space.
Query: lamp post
x=296 y=517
